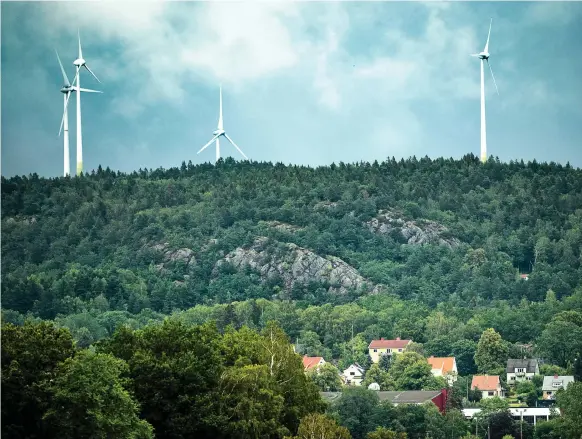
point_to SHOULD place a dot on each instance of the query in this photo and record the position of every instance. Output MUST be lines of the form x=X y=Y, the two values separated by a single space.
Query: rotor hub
x=79 y=62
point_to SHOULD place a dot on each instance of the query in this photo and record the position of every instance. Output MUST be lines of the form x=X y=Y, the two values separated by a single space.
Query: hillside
x=383 y=246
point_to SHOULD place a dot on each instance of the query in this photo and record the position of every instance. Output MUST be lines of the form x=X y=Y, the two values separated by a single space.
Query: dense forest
x=438 y=251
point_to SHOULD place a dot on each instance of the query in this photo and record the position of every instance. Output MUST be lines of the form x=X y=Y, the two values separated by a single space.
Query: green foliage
x=491 y=352
x=90 y=401
x=320 y=426
x=30 y=356
x=570 y=403
x=411 y=371
x=327 y=378
x=384 y=433
x=376 y=375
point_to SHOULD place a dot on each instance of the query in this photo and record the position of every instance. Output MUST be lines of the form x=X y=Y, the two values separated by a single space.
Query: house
x=438 y=397
x=554 y=383
x=489 y=385
x=353 y=375
x=377 y=348
x=445 y=367
x=521 y=369
x=312 y=363
x=531 y=415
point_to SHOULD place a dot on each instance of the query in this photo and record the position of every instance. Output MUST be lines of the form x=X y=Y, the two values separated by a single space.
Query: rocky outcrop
x=415 y=232
x=296 y=264
x=283 y=227
x=182 y=254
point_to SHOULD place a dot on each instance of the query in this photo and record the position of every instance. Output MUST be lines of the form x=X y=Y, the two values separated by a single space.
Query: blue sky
x=304 y=83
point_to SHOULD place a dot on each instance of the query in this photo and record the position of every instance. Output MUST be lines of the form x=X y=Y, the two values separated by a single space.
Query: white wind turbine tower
x=67 y=89
x=484 y=57
x=220 y=132
x=80 y=62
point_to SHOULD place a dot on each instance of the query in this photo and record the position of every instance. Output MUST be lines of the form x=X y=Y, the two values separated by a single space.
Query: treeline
x=173 y=380
x=77 y=238
x=343 y=332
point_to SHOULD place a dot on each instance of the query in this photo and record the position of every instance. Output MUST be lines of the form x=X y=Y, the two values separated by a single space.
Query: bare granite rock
x=297 y=264
x=415 y=232
x=182 y=254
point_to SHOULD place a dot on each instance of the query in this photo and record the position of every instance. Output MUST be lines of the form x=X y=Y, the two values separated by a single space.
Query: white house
x=489 y=385
x=521 y=370
x=444 y=367
x=353 y=375
x=554 y=383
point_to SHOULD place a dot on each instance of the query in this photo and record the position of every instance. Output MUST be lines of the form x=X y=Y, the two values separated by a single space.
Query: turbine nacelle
x=483 y=55
x=79 y=62
x=218 y=132
x=67 y=88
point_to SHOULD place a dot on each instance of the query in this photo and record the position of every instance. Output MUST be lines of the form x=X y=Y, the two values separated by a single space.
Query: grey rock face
x=297 y=264
x=415 y=232
x=182 y=254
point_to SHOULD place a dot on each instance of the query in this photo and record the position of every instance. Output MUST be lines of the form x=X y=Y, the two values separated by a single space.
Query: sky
x=307 y=83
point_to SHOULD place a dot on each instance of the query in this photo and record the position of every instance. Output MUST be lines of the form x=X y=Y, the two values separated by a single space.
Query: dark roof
x=398 y=397
x=529 y=364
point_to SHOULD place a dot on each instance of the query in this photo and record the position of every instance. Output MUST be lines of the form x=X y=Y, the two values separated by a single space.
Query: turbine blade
x=474 y=54
x=493 y=76
x=88 y=90
x=79 y=38
x=62 y=69
x=234 y=144
x=208 y=144
x=64 y=112
x=486 y=50
x=90 y=71
x=75 y=78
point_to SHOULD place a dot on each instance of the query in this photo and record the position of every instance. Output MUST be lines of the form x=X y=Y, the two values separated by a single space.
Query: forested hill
x=416 y=237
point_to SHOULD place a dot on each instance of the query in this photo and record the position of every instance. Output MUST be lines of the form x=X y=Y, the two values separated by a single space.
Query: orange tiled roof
x=485 y=382
x=310 y=362
x=444 y=363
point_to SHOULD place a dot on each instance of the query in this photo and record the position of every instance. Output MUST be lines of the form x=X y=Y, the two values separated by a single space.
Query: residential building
x=438 y=397
x=312 y=363
x=489 y=385
x=353 y=375
x=554 y=383
x=377 y=348
x=445 y=367
x=521 y=369
x=531 y=415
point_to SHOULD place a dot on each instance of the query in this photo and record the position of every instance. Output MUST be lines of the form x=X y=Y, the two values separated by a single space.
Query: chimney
x=397 y=338
x=555 y=377
x=381 y=338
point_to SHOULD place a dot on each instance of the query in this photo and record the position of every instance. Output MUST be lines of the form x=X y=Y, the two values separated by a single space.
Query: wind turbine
x=67 y=89
x=220 y=132
x=80 y=62
x=484 y=57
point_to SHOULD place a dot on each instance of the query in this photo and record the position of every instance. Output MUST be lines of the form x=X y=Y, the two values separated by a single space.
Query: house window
x=390 y=350
x=557 y=384
x=399 y=350
x=511 y=378
x=528 y=378
x=352 y=373
x=520 y=370
x=491 y=393
x=375 y=350
x=549 y=393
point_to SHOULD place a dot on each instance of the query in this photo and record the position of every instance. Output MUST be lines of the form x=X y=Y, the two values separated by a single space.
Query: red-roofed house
x=445 y=367
x=387 y=347
x=312 y=363
x=488 y=384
